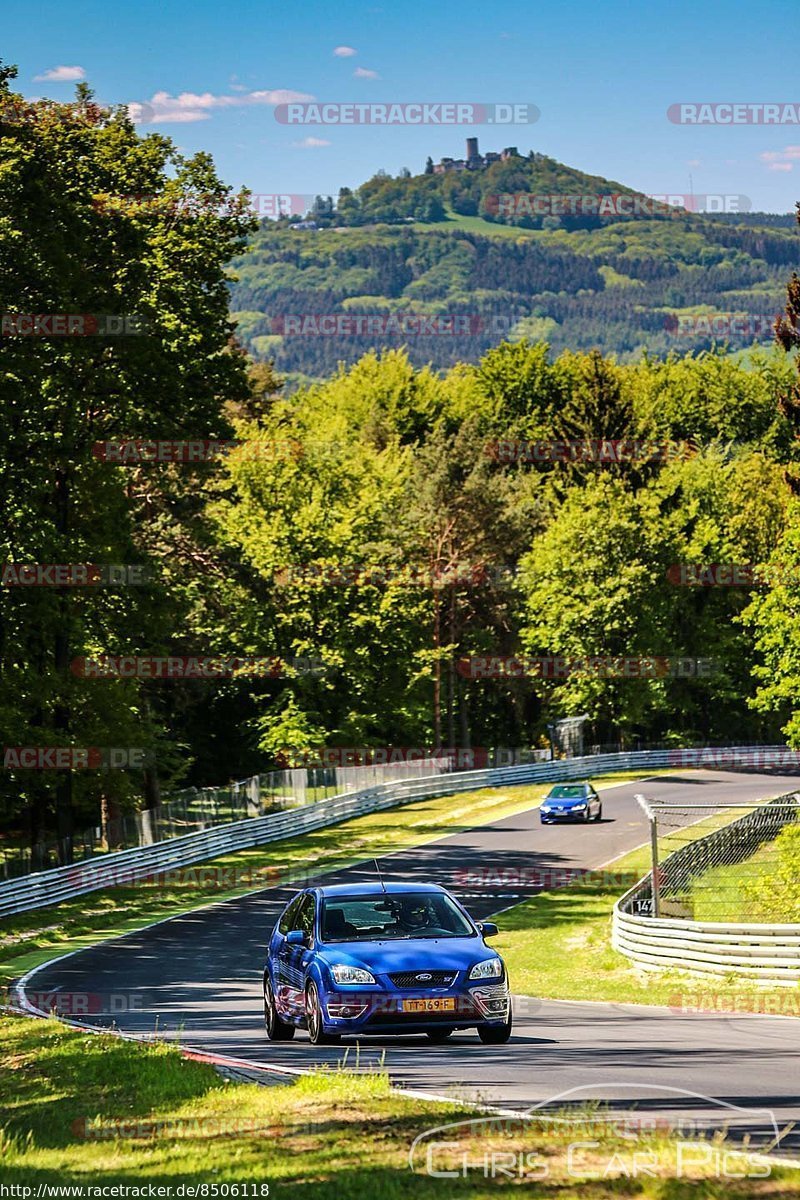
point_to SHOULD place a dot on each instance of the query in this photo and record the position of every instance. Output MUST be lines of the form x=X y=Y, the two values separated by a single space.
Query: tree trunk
x=451 y=676
x=61 y=715
x=437 y=673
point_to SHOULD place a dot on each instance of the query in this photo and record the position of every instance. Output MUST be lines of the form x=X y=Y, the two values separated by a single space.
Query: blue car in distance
x=383 y=959
x=571 y=802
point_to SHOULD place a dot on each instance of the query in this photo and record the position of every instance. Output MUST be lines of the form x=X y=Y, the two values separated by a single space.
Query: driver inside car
x=413 y=916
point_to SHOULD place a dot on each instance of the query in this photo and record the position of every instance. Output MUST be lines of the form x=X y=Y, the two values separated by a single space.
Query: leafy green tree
x=97 y=220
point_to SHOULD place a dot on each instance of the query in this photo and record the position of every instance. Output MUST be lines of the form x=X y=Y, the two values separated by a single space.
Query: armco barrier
x=765 y=952
x=62 y=883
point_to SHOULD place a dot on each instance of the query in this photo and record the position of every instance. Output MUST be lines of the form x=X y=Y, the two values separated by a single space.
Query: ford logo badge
x=420 y=978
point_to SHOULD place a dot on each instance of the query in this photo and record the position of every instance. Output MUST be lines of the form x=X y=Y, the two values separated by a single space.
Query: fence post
x=655 y=881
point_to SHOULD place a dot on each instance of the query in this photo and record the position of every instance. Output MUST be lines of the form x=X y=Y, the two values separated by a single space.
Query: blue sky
x=603 y=76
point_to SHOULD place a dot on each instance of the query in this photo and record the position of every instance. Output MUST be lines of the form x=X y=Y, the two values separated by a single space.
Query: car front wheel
x=495 y=1035
x=316 y=1028
x=277 y=1030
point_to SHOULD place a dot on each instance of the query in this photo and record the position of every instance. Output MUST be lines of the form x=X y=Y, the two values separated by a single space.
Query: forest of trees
x=370 y=522
x=622 y=288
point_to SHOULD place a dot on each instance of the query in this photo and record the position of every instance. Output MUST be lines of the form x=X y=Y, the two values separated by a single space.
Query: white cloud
x=363 y=73
x=781 y=160
x=311 y=143
x=61 y=75
x=345 y=52
x=198 y=106
x=694 y=162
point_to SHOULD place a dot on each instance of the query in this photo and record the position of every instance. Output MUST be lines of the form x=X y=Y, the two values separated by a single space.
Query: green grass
x=31 y=938
x=477 y=225
x=83 y=1109
x=720 y=894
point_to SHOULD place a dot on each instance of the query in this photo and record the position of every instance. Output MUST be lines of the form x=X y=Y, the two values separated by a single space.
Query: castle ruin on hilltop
x=474 y=160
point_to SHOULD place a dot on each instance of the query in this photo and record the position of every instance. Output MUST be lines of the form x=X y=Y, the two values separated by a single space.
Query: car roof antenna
x=380 y=877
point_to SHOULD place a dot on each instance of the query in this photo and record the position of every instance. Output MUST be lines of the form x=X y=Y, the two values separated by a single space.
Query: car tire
x=599 y=816
x=437 y=1036
x=277 y=1030
x=316 y=1028
x=495 y=1035
x=587 y=816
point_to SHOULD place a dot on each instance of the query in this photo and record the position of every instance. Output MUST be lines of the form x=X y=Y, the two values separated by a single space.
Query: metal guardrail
x=768 y=952
x=63 y=883
x=192 y=810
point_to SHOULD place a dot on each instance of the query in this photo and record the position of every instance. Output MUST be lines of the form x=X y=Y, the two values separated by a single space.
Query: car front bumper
x=568 y=814
x=386 y=1012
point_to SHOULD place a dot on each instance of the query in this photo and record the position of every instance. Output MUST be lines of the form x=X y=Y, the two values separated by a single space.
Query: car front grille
x=430 y=979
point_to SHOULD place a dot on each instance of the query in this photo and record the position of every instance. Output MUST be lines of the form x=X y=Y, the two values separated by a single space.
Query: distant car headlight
x=546 y=808
x=342 y=973
x=490 y=968
x=582 y=804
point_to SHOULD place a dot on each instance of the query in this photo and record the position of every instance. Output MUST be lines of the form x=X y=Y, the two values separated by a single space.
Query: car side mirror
x=296 y=937
x=488 y=929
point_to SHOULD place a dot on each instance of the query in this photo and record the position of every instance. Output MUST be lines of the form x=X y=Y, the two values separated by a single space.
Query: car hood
x=565 y=802
x=414 y=954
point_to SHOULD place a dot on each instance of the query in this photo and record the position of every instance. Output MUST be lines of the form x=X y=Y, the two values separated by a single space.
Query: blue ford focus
x=366 y=959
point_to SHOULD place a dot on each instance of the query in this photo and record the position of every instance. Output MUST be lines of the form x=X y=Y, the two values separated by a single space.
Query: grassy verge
x=721 y=894
x=32 y=938
x=83 y=1109
x=763 y=887
x=542 y=938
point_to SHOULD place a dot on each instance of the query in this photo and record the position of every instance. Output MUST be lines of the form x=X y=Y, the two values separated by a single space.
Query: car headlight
x=342 y=973
x=581 y=805
x=545 y=808
x=490 y=968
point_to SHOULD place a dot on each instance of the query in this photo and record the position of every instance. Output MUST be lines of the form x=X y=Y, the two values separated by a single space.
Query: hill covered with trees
x=442 y=245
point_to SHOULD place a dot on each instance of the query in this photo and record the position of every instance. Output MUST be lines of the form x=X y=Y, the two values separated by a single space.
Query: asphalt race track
x=198 y=977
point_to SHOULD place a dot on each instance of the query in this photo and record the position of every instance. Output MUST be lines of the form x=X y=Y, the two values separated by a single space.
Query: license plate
x=437 y=1004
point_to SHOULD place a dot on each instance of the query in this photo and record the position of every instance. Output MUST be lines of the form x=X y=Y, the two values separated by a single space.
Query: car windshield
x=567 y=792
x=392 y=916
